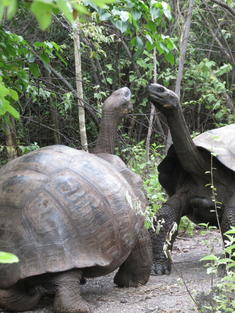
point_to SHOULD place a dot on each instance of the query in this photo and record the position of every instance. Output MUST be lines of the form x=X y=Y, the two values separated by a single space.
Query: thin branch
x=225 y=6
x=221 y=45
x=183 y=48
x=186 y=287
x=152 y=112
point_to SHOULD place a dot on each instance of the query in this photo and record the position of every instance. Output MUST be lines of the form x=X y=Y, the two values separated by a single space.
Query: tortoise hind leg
x=18 y=299
x=67 y=296
x=136 y=269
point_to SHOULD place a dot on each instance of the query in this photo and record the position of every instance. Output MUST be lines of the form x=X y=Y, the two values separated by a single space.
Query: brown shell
x=61 y=208
x=221 y=142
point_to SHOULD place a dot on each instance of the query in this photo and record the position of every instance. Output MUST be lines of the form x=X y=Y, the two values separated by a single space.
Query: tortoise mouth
x=156 y=96
x=156 y=91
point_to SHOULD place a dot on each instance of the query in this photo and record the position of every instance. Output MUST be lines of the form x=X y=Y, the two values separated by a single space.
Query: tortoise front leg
x=228 y=218
x=164 y=234
x=136 y=269
x=67 y=297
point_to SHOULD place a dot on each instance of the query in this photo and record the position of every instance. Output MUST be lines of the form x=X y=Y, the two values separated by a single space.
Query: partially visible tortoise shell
x=219 y=141
x=61 y=208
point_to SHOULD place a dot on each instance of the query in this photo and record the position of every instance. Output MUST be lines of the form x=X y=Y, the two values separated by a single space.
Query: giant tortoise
x=69 y=214
x=198 y=176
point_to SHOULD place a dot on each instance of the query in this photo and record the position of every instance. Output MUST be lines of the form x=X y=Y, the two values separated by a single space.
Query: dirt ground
x=162 y=294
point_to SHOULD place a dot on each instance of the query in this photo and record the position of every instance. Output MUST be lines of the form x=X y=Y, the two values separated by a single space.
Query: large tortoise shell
x=61 y=208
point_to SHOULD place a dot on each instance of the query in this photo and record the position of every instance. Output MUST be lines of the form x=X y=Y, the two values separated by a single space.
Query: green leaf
x=155 y=13
x=231 y=231
x=42 y=12
x=149 y=46
x=170 y=58
x=10 y=109
x=223 y=70
x=34 y=69
x=66 y=8
x=149 y=38
x=102 y=3
x=209 y=258
x=139 y=43
x=170 y=44
x=13 y=94
x=1 y=11
x=9 y=258
x=104 y=16
x=124 y=16
x=122 y=26
x=151 y=26
x=80 y=8
x=136 y=15
x=44 y=58
x=109 y=80
x=11 y=9
x=166 y=10
x=231 y=265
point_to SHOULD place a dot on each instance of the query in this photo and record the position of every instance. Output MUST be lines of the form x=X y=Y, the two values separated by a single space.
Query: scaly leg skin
x=161 y=248
x=228 y=218
x=164 y=234
x=67 y=297
x=135 y=271
x=18 y=299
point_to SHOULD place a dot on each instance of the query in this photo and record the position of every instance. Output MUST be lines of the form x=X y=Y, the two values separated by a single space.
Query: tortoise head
x=162 y=97
x=119 y=102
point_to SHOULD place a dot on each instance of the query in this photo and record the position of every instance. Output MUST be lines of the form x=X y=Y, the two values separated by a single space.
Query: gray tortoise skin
x=187 y=173
x=64 y=211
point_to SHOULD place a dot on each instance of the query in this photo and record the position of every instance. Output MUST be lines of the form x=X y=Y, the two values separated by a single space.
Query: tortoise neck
x=187 y=152
x=108 y=133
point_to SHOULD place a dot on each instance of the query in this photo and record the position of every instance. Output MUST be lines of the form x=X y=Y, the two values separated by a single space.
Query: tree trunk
x=78 y=71
x=183 y=48
x=55 y=123
x=10 y=134
x=54 y=115
x=153 y=110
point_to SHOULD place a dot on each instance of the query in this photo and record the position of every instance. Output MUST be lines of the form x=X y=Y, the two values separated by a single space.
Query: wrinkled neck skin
x=108 y=133
x=188 y=154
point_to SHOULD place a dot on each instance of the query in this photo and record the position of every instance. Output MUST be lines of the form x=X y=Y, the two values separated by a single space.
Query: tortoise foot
x=76 y=306
x=161 y=267
x=122 y=279
x=67 y=297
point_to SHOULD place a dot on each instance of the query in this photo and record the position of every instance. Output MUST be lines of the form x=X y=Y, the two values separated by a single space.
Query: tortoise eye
x=160 y=89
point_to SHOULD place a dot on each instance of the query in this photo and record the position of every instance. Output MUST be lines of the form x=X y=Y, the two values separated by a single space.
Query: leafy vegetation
x=136 y=161
x=44 y=9
x=221 y=297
